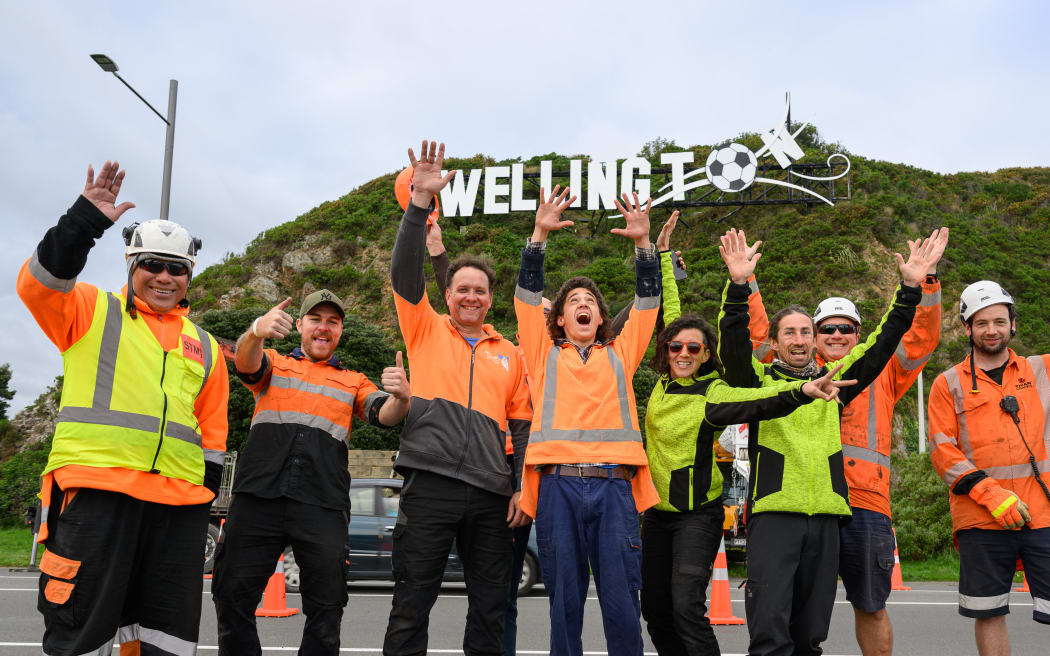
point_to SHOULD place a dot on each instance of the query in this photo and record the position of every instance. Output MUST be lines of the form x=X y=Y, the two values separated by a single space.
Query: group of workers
x=497 y=435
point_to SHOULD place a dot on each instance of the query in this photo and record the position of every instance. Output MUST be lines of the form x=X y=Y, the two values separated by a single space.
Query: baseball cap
x=319 y=297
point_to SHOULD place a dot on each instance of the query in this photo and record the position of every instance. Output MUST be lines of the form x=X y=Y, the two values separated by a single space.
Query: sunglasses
x=830 y=328
x=156 y=266
x=694 y=347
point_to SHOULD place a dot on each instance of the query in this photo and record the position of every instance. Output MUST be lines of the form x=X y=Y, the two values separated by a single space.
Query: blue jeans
x=588 y=525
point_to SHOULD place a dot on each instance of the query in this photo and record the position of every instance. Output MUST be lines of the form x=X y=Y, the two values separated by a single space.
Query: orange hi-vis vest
x=867 y=422
x=970 y=432
x=584 y=411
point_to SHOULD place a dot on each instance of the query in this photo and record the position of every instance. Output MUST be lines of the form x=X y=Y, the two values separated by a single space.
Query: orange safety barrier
x=720 y=608
x=897 y=579
x=274 y=603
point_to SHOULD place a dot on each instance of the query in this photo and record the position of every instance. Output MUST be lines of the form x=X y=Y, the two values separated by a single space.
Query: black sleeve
x=63 y=250
x=406 y=260
x=897 y=322
x=966 y=483
x=729 y=410
x=212 y=476
x=734 y=337
x=530 y=274
x=519 y=438
x=255 y=376
x=440 y=263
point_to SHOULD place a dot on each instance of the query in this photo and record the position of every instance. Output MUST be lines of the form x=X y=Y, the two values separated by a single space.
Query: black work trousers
x=678 y=552
x=116 y=562
x=433 y=511
x=792 y=567
x=256 y=533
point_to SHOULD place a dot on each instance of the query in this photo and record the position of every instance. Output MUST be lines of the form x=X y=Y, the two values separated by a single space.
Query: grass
x=15 y=545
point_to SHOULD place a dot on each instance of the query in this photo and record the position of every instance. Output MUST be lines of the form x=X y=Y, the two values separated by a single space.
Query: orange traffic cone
x=274 y=603
x=897 y=579
x=1024 y=586
x=720 y=609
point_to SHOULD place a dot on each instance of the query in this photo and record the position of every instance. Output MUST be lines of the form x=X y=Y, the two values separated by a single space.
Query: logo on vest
x=192 y=350
x=1023 y=383
x=503 y=360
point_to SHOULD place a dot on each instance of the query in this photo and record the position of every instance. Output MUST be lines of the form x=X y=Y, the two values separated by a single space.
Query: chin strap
x=129 y=307
x=973 y=370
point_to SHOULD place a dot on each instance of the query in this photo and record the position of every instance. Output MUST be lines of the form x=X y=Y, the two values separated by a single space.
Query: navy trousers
x=583 y=526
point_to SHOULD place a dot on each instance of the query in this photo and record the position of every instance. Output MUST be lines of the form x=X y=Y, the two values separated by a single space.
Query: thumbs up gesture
x=275 y=324
x=395 y=381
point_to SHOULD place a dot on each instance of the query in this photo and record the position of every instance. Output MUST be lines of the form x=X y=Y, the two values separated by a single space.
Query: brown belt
x=619 y=472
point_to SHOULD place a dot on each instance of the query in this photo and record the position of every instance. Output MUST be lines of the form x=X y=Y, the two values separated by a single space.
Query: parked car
x=373 y=506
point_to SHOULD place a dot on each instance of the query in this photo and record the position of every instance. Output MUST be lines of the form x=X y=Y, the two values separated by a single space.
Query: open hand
x=637 y=220
x=740 y=258
x=826 y=388
x=515 y=515
x=395 y=380
x=548 y=214
x=275 y=324
x=103 y=191
x=923 y=257
x=663 y=240
x=427 y=180
x=434 y=244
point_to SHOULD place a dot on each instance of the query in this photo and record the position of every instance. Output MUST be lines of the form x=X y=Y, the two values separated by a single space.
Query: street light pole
x=110 y=66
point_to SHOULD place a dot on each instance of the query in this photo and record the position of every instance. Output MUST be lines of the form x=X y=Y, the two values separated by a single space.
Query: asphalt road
x=925 y=622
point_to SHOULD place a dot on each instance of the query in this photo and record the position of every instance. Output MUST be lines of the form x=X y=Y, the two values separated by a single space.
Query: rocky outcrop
x=36 y=422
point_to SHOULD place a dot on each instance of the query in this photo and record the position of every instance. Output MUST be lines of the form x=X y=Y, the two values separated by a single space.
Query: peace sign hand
x=427 y=180
x=825 y=387
x=103 y=191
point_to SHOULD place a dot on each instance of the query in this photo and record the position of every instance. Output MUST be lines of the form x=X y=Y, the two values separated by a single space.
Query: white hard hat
x=164 y=238
x=836 y=306
x=980 y=295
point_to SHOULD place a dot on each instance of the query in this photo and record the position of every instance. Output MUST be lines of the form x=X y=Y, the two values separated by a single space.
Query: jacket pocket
x=769 y=472
x=679 y=494
x=57 y=598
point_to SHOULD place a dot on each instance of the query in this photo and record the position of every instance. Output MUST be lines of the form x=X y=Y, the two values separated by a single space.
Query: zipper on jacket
x=470 y=401
x=163 y=417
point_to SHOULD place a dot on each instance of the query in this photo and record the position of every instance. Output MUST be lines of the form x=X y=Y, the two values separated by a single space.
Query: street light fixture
x=110 y=66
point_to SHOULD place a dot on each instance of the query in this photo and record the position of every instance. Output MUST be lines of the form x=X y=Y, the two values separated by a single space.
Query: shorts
x=866 y=559
x=987 y=562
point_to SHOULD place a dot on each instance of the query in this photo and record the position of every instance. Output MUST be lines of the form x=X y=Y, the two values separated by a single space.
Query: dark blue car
x=373 y=504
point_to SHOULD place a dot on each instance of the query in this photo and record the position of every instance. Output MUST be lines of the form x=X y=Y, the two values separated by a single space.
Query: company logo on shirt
x=501 y=359
x=192 y=350
x=1023 y=383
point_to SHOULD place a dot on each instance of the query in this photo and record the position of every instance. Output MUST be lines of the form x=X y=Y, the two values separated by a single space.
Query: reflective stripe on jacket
x=970 y=432
x=128 y=403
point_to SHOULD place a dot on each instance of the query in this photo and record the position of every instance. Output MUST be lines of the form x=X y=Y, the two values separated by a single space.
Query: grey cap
x=319 y=297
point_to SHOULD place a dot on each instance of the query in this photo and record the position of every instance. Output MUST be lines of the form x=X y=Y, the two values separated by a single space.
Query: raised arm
x=866 y=361
x=438 y=256
x=670 y=301
x=734 y=340
x=638 y=329
x=275 y=324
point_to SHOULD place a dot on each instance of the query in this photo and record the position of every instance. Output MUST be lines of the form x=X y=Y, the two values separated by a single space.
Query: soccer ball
x=732 y=167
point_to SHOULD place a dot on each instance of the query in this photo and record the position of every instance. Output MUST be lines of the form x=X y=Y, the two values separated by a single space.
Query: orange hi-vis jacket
x=584 y=411
x=64 y=309
x=867 y=422
x=970 y=434
x=464 y=398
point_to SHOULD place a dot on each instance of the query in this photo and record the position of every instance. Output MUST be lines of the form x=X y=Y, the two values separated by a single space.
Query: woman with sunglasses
x=689 y=407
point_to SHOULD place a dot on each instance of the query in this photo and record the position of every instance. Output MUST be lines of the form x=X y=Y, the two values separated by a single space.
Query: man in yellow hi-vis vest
x=141 y=435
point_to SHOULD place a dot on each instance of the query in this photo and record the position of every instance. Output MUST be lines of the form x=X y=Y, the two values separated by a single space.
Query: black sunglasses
x=694 y=347
x=156 y=266
x=830 y=328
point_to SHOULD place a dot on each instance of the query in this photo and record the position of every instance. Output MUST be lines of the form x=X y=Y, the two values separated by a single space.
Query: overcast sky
x=284 y=105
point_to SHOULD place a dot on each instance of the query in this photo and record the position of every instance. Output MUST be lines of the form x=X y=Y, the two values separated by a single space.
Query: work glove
x=1005 y=506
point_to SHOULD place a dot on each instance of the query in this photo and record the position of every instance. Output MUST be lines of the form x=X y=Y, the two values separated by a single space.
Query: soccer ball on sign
x=732 y=167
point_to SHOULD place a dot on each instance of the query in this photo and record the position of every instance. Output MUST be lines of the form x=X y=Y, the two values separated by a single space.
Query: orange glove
x=1005 y=506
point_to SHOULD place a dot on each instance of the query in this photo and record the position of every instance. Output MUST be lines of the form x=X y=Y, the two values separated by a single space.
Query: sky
x=282 y=106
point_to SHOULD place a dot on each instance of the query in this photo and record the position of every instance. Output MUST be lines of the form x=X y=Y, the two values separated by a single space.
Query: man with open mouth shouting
x=586 y=475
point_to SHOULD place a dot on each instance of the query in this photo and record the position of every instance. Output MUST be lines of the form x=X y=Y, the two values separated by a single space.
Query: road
x=925 y=622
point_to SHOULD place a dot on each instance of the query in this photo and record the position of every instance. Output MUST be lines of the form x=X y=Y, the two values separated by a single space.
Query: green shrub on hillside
x=20 y=482
x=919 y=499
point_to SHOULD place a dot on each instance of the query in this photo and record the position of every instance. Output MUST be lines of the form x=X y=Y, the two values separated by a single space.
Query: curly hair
x=558 y=306
x=661 y=363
